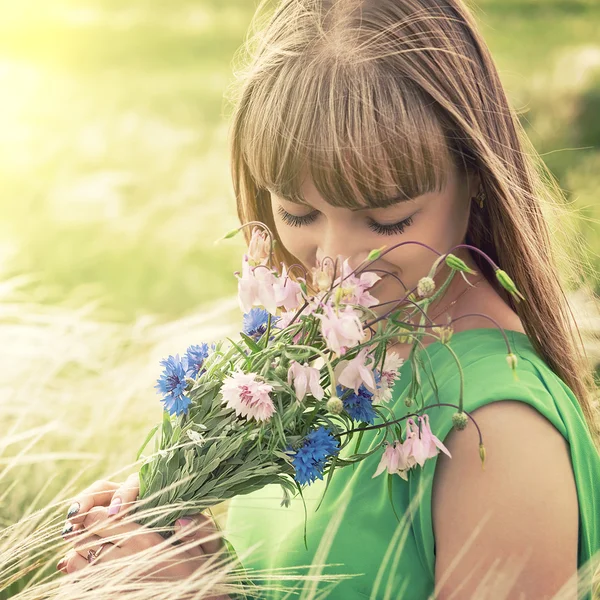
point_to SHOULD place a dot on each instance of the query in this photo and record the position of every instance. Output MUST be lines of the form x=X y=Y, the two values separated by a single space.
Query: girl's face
x=438 y=219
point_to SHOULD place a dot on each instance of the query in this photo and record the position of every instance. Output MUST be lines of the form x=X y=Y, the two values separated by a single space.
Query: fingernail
x=73 y=510
x=68 y=528
x=115 y=506
x=62 y=565
x=183 y=522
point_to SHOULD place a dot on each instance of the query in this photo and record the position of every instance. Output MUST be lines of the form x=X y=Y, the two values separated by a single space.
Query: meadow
x=115 y=184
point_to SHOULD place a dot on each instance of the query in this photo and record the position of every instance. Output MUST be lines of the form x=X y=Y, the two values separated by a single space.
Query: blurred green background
x=115 y=182
x=113 y=155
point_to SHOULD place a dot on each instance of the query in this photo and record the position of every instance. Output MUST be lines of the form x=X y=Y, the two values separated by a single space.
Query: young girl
x=364 y=123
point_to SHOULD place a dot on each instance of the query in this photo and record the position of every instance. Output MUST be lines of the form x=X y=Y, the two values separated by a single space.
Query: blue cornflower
x=309 y=460
x=358 y=405
x=196 y=355
x=255 y=322
x=172 y=384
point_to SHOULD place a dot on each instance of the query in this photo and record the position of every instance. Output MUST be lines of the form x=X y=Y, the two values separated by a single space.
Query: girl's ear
x=473 y=184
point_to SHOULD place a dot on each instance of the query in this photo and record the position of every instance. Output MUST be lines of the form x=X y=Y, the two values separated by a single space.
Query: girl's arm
x=519 y=515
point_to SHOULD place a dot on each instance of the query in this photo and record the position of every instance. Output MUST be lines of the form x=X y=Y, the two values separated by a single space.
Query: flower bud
x=408 y=401
x=425 y=287
x=458 y=265
x=459 y=420
x=444 y=332
x=482 y=456
x=511 y=359
x=259 y=248
x=375 y=254
x=190 y=383
x=334 y=405
x=508 y=284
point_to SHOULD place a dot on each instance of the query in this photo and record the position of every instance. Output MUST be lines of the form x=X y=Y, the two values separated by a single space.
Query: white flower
x=353 y=373
x=305 y=377
x=341 y=330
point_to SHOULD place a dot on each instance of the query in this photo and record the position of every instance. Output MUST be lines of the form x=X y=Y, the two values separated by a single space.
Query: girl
x=363 y=123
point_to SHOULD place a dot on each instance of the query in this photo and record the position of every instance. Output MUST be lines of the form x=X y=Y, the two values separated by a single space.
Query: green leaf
x=251 y=343
x=329 y=476
x=391 y=496
x=148 y=438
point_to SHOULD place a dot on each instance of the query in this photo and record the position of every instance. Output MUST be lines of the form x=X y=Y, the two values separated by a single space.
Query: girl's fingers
x=99 y=493
x=119 y=532
x=97 y=545
x=125 y=495
x=202 y=529
x=73 y=562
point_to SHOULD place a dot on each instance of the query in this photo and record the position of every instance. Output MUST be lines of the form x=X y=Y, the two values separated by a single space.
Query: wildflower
x=259 y=248
x=355 y=372
x=309 y=460
x=322 y=275
x=444 y=332
x=335 y=406
x=353 y=289
x=427 y=445
x=305 y=377
x=383 y=392
x=256 y=287
x=285 y=319
x=459 y=420
x=359 y=405
x=288 y=292
x=172 y=384
x=395 y=459
x=247 y=396
x=425 y=287
x=196 y=355
x=342 y=329
x=391 y=368
x=255 y=322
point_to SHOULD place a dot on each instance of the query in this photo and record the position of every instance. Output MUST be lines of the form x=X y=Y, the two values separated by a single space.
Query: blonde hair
x=374 y=97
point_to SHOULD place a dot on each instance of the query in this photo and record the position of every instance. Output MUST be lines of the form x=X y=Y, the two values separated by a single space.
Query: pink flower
x=288 y=292
x=391 y=367
x=305 y=377
x=427 y=445
x=247 y=396
x=353 y=289
x=259 y=247
x=256 y=287
x=395 y=459
x=340 y=329
x=353 y=373
x=322 y=274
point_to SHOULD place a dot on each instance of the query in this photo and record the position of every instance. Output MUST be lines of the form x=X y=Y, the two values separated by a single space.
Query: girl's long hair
x=369 y=96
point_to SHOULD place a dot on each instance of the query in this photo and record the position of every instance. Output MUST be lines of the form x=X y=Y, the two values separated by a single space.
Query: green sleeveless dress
x=355 y=528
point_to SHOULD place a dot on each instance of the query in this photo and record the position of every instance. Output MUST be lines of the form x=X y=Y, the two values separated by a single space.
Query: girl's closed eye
x=379 y=228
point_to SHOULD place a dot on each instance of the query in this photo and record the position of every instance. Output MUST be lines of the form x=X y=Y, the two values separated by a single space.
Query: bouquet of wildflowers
x=310 y=370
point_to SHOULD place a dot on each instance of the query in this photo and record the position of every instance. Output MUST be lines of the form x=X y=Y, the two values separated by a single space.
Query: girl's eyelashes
x=392 y=229
x=295 y=221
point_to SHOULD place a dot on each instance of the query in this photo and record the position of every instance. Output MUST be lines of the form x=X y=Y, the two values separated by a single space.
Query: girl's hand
x=91 y=522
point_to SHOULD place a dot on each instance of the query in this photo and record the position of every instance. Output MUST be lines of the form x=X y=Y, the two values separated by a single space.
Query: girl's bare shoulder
x=521 y=510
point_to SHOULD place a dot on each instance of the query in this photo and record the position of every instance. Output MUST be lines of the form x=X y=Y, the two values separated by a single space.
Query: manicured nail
x=115 y=506
x=68 y=528
x=62 y=565
x=73 y=510
x=183 y=522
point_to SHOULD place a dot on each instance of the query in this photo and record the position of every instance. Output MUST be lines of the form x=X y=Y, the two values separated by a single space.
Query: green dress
x=357 y=506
